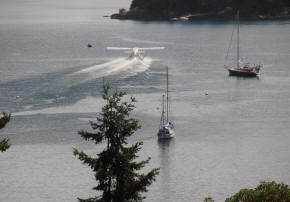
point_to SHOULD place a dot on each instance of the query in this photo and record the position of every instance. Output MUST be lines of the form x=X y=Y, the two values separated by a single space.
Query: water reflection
x=165 y=143
x=166 y=156
x=242 y=78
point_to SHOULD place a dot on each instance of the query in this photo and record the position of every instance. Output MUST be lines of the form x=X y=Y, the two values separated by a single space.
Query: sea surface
x=231 y=133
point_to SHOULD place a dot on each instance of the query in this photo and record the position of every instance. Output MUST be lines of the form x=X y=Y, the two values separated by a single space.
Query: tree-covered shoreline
x=205 y=10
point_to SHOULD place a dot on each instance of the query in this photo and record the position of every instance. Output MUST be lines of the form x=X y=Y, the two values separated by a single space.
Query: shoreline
x=143 y=15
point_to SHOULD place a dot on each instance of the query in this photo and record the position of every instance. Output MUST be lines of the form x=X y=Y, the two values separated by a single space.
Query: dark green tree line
x=116 y=167
x=246 y=7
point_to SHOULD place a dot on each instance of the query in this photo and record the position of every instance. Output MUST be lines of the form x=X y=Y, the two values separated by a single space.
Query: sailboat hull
x=165 y=133
x=241 y=72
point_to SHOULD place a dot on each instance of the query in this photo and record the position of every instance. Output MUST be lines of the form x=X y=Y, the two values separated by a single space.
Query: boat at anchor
x=242 y=69
x=166 y=128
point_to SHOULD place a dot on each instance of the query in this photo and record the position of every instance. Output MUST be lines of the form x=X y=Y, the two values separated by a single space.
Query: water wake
x=59 y=92
x=124 y=66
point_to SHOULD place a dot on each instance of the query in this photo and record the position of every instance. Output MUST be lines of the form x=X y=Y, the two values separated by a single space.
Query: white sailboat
x=166 y=128
x=242 y=69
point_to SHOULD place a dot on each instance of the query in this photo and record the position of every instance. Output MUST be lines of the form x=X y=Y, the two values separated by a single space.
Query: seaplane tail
x=135 y=52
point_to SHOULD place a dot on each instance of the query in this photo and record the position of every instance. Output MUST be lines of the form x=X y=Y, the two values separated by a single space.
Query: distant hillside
x=205 y=9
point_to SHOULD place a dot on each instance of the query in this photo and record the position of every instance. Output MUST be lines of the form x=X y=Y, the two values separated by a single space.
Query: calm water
x=232 y=138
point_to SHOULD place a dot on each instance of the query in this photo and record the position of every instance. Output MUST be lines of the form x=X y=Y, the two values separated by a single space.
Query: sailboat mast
x=167 y=94
x=238 y=39
x=163 y=112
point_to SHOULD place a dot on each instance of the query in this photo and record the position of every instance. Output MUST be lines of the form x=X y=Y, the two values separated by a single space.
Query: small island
x=190 y=10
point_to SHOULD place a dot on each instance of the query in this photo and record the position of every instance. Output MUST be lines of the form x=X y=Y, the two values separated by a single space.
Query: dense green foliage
x=264 y=192
x=208 y=199
x=115 y=167
x=4 y=143
x=170 y=8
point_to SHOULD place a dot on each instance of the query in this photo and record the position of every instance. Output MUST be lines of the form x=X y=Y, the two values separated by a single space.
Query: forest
x=167 y=9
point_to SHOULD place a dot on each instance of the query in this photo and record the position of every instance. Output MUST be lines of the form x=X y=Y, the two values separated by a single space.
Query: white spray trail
x=100 y=66
x=117 y=66
x=121 y=67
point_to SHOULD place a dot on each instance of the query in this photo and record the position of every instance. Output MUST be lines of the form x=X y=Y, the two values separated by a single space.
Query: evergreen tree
x=266 y=192
x=114 y=167
x=4 y=143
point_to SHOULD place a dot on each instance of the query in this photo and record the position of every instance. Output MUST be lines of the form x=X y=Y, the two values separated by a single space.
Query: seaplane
x=135 y=52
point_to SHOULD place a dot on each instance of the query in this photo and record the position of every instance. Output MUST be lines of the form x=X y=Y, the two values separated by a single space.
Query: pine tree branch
x=4 y=119
x=96 y=137
x=4 y=144
x=85 y=158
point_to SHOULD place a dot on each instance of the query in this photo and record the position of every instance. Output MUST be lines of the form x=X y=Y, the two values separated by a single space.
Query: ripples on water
x=231 y=138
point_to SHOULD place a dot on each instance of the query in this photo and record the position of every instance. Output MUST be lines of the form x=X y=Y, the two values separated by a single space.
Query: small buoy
x=206 y=93
x=90 y=45
x=17 y=97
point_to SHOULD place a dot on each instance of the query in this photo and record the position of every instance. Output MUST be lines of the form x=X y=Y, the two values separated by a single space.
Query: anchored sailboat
x=244 y=70
x=166 y=129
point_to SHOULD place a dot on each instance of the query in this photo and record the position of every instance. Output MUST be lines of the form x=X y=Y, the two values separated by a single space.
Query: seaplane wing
x=118 y=48
x=135 y=48
x=152 y=48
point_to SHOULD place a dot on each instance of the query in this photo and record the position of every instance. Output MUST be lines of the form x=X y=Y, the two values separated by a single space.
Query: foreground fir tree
x=115 y=167
x=4 y=143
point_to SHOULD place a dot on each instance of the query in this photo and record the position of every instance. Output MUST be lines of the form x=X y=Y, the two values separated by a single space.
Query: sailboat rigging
x=244 y=70
x=166 y=128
